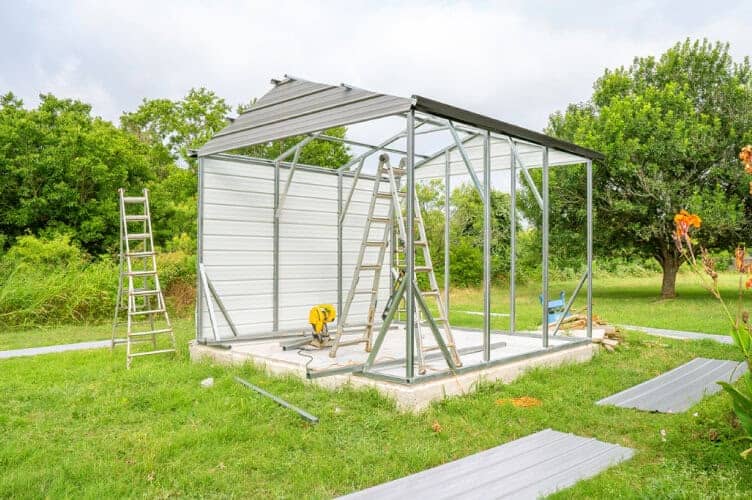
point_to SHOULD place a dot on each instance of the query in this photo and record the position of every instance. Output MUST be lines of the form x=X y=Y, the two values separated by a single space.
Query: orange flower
x=745 y=155
x=684 y=221
x=739 y=254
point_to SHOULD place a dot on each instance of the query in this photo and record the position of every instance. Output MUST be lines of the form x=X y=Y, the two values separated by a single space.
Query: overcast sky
x=516 y=60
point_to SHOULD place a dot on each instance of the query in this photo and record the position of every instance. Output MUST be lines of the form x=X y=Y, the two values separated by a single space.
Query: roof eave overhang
x=437 y=108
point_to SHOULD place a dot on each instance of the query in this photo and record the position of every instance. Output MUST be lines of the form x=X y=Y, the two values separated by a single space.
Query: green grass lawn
x=79 y=424
x=65 y=334
x=630 y=301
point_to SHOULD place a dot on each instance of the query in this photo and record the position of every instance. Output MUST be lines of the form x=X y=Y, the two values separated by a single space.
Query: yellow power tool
x=319 y=317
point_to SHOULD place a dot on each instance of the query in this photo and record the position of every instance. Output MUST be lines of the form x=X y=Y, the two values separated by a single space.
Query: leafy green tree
x=61 y=169
x=317 y=152
x=670 y=128
x=465 y=231
x=178 y=126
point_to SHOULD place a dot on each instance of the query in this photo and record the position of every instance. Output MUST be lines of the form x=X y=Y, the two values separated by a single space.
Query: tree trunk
x=670 y=263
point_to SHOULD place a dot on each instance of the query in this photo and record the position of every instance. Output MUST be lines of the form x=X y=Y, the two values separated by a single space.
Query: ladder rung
x=380 y=219
x=388 y=195
x=430 y=293
x=161 y=351
x=431 y=348
x=419 y=269
x=140 y=254
x=139 y=236
x=351 y=342
x=375 y=243
x=363 y=292
x=370 y=267
x=418 y=243
x=134 y=199
x=141 y=292
x=142 y=273
x=136 y=217
x=150 y=332
x=143 y=313
x=398 y=172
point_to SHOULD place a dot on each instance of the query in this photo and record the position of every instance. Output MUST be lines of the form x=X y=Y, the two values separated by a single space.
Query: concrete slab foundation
x=511 y=356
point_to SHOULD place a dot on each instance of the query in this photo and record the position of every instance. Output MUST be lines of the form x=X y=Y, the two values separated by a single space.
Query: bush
x=44 y=253
x=177 y=275
x=52 y=281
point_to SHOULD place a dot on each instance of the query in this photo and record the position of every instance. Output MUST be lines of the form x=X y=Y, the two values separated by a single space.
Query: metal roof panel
x=679 y=389
x=529 y=467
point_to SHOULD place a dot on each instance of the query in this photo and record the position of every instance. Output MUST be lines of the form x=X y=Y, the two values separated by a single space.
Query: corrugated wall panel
x=238 y=244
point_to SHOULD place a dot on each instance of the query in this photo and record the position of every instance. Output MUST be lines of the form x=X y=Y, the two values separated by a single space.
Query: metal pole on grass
x=304 y=414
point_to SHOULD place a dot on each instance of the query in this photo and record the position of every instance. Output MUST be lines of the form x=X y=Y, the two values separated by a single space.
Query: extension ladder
x=363 y=268
x=139 y=291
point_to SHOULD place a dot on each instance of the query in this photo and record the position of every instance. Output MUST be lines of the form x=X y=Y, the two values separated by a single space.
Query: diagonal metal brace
x=525 y=173
x=570 y=302
x=466 y=159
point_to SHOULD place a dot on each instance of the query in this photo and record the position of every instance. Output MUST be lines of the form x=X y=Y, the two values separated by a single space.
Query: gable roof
x=296 y=107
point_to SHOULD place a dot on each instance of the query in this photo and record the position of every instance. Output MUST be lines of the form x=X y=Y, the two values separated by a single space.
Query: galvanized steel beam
x=512 y=243
x=447 y=204
x=526 y=174
x=410 y=248
x=589 y=174
x=544 y=248
x=466 y=159
x=487 y=247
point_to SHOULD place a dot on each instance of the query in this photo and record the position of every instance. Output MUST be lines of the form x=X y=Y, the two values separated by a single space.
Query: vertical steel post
x=340 y=217
x=447 y=202
x=544 y=246
x=486 y=246
x=512 y=240
x=275 y=250
x=589 y=167
x=200 y=250
x=410 y=249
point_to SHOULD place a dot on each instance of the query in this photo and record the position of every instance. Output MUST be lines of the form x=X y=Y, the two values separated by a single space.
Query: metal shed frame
x=297 y=107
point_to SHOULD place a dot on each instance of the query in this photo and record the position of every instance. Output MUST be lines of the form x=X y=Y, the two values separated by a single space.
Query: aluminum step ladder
x=381 y=223
x=397 y=199
x=139 y=293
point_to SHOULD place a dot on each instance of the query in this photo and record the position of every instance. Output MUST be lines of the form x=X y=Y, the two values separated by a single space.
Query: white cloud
x=516 y=61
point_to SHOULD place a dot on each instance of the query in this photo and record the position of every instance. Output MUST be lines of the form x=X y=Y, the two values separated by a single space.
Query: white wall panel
x=237 y=242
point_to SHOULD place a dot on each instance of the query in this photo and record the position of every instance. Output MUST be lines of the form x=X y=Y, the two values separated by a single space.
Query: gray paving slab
x=52 y=349
x=678 y=334
x=529 y=467
x=679 y=389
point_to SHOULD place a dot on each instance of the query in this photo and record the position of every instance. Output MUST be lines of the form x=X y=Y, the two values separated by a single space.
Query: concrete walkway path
x=677 y=334
x=52 y=349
